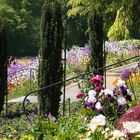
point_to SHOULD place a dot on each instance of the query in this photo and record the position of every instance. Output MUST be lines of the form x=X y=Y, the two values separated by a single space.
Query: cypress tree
x=50 y=66
x=95 y=23
x=3 y=65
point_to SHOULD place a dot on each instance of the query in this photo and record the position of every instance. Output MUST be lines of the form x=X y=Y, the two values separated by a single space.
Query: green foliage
x=88 y=7
x=126 y=22
x=95 y=32
x=94 y=11
x=65 y=128
x=120 y=28
x=50 y=66
x=75 y=31
x=21 y=21
x=22 y=89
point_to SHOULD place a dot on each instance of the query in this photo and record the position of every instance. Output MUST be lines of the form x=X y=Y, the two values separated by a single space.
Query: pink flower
x=96 y=80
x=98 y=89
x=80 y=95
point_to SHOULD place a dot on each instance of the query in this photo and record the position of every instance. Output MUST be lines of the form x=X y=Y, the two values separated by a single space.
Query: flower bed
x=20 y=74
x=92 y=117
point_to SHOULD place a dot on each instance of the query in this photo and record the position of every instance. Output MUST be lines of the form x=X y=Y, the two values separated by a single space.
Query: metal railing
x=75 y=77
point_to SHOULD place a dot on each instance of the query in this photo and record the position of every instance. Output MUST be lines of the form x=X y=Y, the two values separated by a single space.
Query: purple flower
x=119 y=107
x=126 y=73
x=128 y=97
x=89 y=105
x=114 y=92
x=139 y=64
x=51 y=117
x=123 y=90
x=111 y=99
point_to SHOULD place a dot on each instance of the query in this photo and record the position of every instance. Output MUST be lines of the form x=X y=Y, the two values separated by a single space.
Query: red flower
x=98 y=89
x=80 y=95
x=96 y=80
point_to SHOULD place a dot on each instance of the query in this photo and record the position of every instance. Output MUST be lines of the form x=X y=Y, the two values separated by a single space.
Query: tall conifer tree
x=3 y=65
x=50 y=66
x=96 y=43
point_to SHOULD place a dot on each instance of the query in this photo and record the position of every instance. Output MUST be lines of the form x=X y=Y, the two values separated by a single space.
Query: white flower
x=92 y=93
x=97 y=121
x=120 y=83
x=132 y=127
x=86 y=98
x=116 y=135
x=107 y=92
x=98 y=106
x=121 y=101
x=129 y=92
x=91 y=99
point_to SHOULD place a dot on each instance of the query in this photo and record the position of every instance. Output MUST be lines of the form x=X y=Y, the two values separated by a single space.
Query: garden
x=102 y=111
x=47 y=46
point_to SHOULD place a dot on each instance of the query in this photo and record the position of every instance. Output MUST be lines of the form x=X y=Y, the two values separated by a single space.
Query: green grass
x=22 y=90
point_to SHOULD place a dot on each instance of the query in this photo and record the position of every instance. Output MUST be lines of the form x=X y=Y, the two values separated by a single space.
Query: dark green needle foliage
x=3 y=65
x=96 y=42
x=50 y=65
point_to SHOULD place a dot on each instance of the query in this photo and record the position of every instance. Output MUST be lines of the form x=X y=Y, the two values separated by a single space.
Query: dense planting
x=98 y=109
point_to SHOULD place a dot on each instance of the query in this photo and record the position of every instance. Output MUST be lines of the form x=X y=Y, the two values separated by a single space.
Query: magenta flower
x=98 y=89
x=80 y=95
x=96 y=80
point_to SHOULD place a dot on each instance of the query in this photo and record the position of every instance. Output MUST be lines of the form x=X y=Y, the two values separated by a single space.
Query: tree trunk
x=3 y=66
x=50 y=66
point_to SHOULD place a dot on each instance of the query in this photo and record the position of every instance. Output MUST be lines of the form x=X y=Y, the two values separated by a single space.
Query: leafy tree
x=3 y=65
x=74 y=28
x=21 y=21
x=126 y=22
x=50 y=66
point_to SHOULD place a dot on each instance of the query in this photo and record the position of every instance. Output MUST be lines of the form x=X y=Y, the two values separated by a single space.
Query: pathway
x=72 y=89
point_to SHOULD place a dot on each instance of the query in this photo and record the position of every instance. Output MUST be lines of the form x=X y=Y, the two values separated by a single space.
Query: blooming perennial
x=132 y=127
x=103 y=101
x=97 y=121
x=21 y=71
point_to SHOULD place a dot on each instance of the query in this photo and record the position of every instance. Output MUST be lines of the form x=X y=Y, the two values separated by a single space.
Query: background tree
x=21 y=21
x=100 y=12
x=3 y=65
x=75 y=31
x=126 y=25
x=50 y=66
x=94 y=10
x=96 y=43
